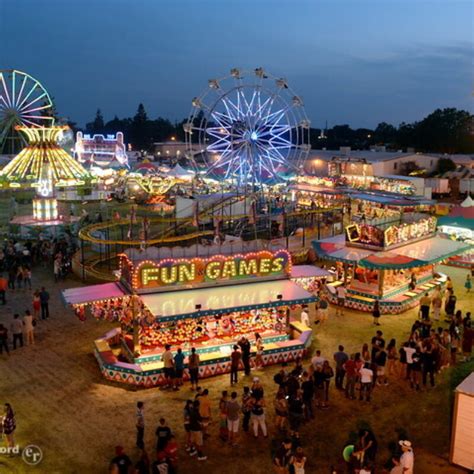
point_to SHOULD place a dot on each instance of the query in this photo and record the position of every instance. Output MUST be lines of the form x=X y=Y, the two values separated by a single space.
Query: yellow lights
x=44 y=160
x=45 y=209
x=148 y=273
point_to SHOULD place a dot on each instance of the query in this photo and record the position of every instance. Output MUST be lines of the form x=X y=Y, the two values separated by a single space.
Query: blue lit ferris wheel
x=249 y=127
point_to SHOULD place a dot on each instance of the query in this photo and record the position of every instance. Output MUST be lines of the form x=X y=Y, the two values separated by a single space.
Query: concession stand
x=384 y=261
x=205 y=303
x=459 y=225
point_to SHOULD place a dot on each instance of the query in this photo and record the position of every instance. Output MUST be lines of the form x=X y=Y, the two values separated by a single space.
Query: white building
x=366 y=162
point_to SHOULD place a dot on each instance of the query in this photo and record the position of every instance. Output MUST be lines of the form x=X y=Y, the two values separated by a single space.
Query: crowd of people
x=300 y=389
x=300 y=392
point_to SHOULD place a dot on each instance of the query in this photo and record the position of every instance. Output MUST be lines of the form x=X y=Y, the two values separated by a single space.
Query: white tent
x=468 y=202
x=181 y=173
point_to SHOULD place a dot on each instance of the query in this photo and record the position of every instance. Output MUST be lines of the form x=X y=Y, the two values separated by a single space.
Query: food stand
x=204 y=303
x=378 y=262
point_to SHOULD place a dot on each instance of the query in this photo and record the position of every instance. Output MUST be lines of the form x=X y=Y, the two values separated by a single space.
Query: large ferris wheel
x=24 y=102
x=249 y=127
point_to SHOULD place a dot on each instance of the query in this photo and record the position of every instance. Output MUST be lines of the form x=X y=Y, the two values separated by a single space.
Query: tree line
x=446 y=130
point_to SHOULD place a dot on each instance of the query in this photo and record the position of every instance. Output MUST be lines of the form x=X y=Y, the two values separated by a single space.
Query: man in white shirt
x=17 y=330
x=366 y=378
x=168 y=366
x=317 y=359
x=407 y=459
x=409 y=351
x=341 y=299
x=305 y=316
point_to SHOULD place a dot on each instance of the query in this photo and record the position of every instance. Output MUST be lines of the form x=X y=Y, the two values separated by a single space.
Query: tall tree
x=97 y=126
x=140 y=129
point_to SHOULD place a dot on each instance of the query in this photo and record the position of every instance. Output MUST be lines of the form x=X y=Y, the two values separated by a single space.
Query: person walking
x=468 y=283
x=29 y=325
x=36 y=304
x=17 y=330
x=258 y=350
x=307 y=387
x=178 y=368
x=340 y=357
x=168 y=367
x=195 y=427
x=140 y=425
x=437 y=302
x=425 y=303
x=246 y=408
x=163 y=434
x=341 y=300
x=12 y=277
x=351 y=377
x=244 y=345
x=257 y=416
x=366 y=380
x=9 y=425
x=234 y=364
x=450 y=305
x=205 y=411
x=283 y=457
x=27 y=277
x=193 y=367
x=233 y=409
x=407 y=459
x=305 y=316
x=376 y=313
x=3 y=289
x=428 y=362
x=392 y=357
x=44 y=303
x=4 y=339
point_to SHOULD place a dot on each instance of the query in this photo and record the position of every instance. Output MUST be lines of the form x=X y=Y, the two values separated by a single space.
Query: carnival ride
x=248 y=127
x=43 y=160
x=24 y=102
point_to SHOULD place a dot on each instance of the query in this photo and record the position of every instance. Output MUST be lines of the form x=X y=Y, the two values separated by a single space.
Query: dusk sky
x=356 y=61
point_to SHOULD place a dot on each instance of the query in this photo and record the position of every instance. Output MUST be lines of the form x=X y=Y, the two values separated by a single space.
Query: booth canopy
x=417 y=254
x=335 y=248
x=309 y=271
x=92 y=294
x=460 y=222
x=393 y=199
x=217 y=300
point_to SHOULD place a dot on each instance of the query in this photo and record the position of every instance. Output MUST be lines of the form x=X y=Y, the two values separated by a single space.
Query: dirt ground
x=64 y=406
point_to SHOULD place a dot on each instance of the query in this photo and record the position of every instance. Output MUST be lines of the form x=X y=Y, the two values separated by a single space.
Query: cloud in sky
x=353 y=62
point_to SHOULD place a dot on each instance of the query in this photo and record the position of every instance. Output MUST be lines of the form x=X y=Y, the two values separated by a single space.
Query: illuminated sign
x=195 y=271
x=374 y=236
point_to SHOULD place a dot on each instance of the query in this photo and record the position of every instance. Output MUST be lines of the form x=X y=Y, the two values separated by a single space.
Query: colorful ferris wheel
x=24 y=102
x=248 y=127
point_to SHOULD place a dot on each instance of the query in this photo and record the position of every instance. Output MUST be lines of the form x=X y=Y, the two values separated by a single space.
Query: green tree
x=139 y=130
x=385 y=133
x=97 y=126
x=445 y=165
x=446 y=131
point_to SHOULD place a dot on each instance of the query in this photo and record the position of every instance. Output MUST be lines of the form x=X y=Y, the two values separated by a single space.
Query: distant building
x=173 y=150
x=366 y=162
x=102 y=151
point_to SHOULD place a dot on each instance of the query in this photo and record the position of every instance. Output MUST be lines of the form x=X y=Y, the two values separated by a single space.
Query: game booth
x=459 y=225
x=204 y=303
x=393 y=263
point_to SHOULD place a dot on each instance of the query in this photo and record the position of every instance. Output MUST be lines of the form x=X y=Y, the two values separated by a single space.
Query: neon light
x=43 y=162
x=151 y=274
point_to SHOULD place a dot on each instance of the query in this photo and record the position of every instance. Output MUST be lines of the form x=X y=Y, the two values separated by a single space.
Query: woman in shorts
x=281 y=410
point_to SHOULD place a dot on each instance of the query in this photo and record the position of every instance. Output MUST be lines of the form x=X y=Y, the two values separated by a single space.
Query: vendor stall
x=208 y=304
x=397 y=277
x=459 y=225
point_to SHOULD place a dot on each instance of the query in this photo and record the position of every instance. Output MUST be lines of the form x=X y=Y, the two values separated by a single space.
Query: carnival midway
x=155 y=278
